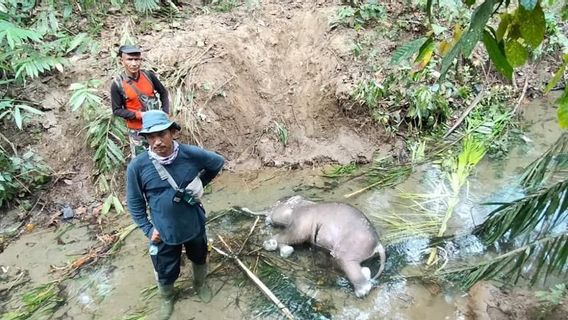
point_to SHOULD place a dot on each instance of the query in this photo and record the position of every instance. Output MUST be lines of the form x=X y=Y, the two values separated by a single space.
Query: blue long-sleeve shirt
x=177 y=222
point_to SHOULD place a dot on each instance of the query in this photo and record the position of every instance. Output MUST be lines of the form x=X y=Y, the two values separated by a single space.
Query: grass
x=39 y=301
x=337 y=171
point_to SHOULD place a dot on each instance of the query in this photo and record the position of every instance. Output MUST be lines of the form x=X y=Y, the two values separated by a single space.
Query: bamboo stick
x=256 y=281
x=249 y=234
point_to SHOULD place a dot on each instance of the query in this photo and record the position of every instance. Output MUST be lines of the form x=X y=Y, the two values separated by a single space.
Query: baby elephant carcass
x=338 y=227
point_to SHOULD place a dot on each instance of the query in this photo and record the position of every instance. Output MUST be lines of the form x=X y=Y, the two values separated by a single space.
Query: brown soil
x=248 y=70
x=488 y=302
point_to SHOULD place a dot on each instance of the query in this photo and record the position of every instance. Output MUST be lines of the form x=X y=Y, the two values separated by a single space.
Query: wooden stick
x=522 y=95
x=466 y=112
x=256 y=280
x=260 y=284
x=249 y=234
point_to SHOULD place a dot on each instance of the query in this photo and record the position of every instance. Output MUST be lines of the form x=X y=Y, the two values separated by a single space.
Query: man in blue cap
x=134 y=92
x=169 y=178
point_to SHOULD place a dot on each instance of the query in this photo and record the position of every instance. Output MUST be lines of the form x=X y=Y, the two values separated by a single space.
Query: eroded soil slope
x=235 y=77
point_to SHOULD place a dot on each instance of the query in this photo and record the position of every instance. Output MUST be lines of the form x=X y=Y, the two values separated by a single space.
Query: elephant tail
x=383 y=256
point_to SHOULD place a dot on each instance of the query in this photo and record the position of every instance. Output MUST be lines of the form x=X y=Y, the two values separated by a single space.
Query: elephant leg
x=357 y=276
x=272 y=244
x=283 y=241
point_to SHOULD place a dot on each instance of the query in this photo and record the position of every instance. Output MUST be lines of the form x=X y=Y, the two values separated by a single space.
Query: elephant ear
x=281 y=216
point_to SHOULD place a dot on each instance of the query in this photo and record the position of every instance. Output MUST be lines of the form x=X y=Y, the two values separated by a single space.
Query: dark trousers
x=167 y=261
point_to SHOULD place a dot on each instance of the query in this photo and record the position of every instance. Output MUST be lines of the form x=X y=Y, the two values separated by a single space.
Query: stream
x=112 y=289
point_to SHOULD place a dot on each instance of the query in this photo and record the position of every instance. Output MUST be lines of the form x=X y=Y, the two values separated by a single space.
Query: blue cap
x=156 y=121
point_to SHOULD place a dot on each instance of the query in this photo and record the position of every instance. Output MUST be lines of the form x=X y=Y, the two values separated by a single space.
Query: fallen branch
x=256 y=280
x=466 y=112
x=248 y=236
x=522 y=95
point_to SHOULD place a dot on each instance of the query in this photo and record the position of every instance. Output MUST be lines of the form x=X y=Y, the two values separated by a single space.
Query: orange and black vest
x=131 y=102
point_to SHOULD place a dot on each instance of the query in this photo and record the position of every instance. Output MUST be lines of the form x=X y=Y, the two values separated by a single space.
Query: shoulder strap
x=118 y=81
x=195 y=186
x=164 y=174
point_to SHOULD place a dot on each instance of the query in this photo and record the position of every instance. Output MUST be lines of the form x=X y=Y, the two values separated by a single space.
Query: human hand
x=155 y=236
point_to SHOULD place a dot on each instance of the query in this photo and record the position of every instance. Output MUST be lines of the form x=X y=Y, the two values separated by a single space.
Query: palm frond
x=105 y=135
x=15 y=36
x=36 y=64
x=545 y=209
x=547 y=256
x=146 y=6
x=541 y=169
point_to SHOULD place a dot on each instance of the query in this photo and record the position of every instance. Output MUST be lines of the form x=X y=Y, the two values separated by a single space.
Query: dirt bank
x=245 y=72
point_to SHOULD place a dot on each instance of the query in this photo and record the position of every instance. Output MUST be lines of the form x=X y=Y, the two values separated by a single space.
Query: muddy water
x=113 y=290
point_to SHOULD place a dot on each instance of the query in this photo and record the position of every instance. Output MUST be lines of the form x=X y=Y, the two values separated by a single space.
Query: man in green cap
x=169 y=178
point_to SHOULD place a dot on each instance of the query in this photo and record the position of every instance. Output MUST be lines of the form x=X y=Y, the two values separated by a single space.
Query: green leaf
x=424 y=55
x=496 y=56
x=562 y=112
x=504 y=23
x=30 y=109
x=532 y=25
x=16 y=35
x=515 y=52
x=107 y=205
x=18 y=117
x=555 y=79
x=146 y=6
x=473 y=34
x=407 y=50
x=529 y=4
x=478 y=21
x=117 y=205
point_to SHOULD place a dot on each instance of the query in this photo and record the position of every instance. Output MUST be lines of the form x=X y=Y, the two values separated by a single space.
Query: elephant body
x=338 y=227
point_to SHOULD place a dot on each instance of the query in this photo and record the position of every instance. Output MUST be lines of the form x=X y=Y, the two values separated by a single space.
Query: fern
x=534 y=223
x=85 y=96
x=546 y=256
x=46 y=22
x=105 y=132
x=16 y=112
x=15 y=35
x=35 y=64
x=146 y=6
x=105 y=135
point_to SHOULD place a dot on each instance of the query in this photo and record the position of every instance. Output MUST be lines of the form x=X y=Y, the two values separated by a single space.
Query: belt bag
x=194 y=188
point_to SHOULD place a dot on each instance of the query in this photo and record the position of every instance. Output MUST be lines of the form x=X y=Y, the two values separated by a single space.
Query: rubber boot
x=167 y=305
x=200 y=282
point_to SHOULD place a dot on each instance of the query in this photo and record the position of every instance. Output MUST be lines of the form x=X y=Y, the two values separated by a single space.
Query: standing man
x=169 y=179
x=133 y=92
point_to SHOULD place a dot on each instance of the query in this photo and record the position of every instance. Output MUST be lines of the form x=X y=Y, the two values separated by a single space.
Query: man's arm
x=159 y=87
x=212 y=163
x=136 y=201
x=117 y=102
